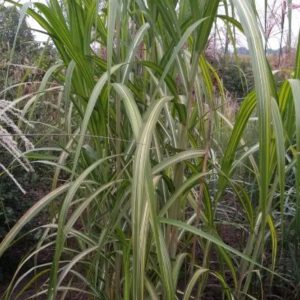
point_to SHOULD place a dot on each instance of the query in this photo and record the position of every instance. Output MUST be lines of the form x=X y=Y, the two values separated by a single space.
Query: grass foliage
x=157 y=170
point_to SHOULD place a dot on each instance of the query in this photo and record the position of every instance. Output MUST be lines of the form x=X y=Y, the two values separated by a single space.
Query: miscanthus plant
x=156 y=170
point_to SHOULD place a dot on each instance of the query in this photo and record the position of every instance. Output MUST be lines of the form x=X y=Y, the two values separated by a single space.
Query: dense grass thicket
x=160 y=190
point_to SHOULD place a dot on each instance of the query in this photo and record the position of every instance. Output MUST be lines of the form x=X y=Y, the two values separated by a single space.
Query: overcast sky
x=275 y=5
x=274 y=39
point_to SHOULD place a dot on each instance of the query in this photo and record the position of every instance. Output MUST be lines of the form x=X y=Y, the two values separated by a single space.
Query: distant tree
x=9 y=20
x=24 y=52
x=27 y=51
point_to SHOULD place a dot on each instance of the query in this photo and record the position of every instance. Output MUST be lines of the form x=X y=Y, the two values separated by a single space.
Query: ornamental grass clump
x=147 y=161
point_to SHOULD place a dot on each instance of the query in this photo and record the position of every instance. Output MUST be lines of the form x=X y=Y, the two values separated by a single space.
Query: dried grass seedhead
x=12 y=138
